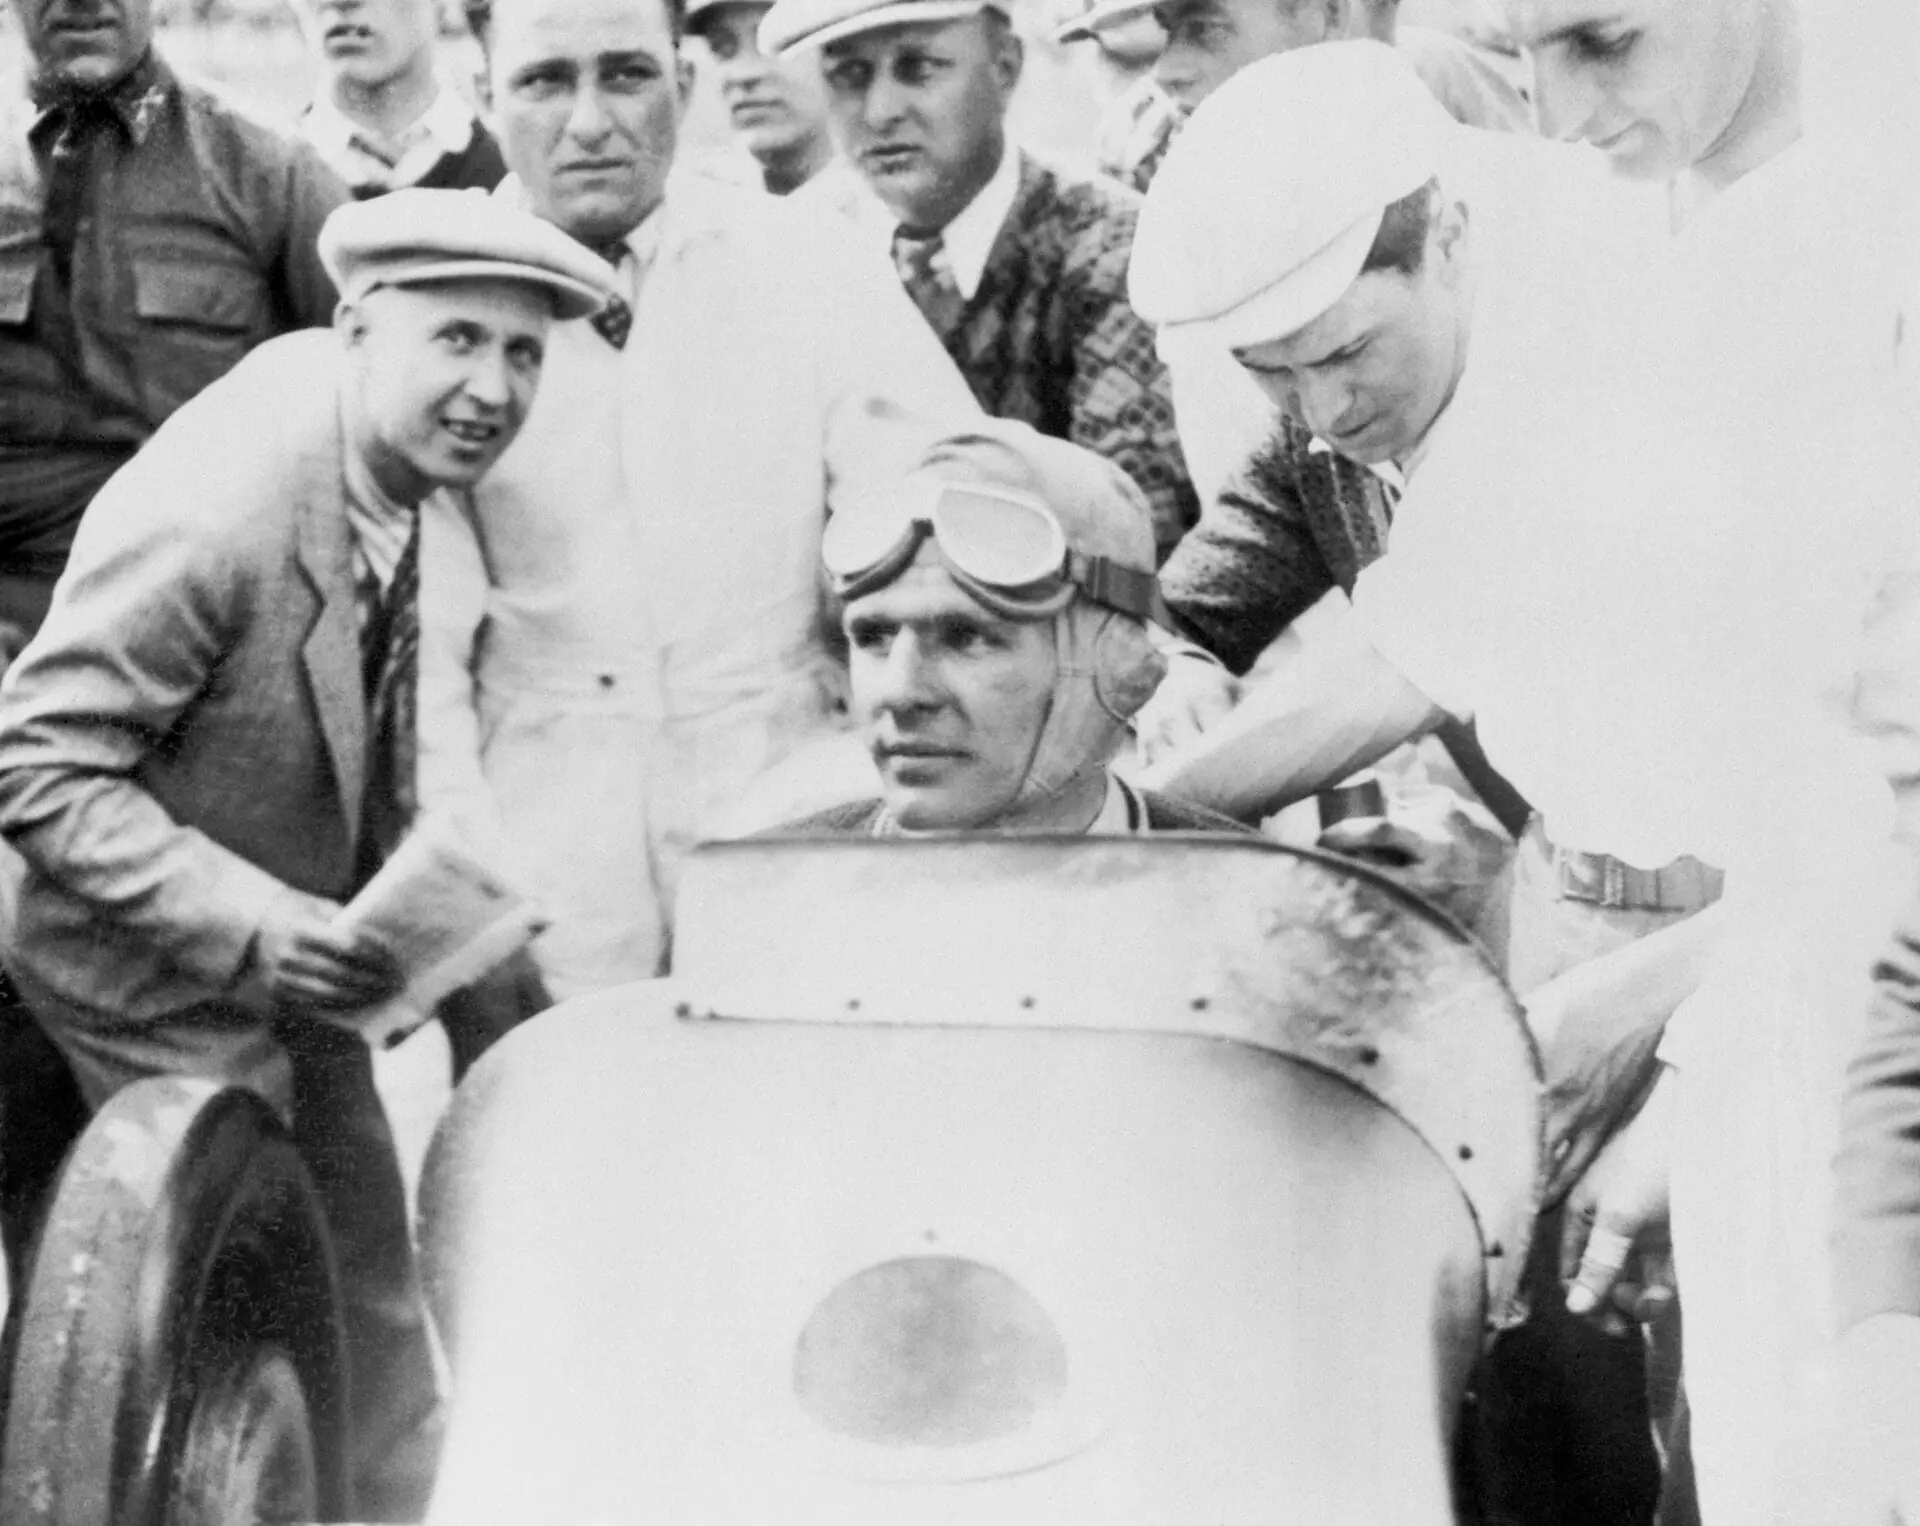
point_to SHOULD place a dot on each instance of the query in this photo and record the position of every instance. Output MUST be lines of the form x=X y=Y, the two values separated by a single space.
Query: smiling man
x=633 y=633
x=209 y=746
x=997 y=599
x=778 y=106
x=1018 y=265
x=150 y=235
x=383 y=117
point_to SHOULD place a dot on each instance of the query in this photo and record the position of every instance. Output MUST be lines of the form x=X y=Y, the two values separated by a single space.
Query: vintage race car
x=1149 y=1180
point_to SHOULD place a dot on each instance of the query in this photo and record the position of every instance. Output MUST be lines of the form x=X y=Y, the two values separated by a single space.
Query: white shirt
x=968 y=237
x=362 y=159
x=626 y=632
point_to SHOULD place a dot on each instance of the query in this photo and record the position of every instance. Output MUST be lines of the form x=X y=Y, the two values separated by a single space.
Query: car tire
x=180 y=1358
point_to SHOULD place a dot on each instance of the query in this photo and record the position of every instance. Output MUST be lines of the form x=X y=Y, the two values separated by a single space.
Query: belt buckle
x=1594 y=879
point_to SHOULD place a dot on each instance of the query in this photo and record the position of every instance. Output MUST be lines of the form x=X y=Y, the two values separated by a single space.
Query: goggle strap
x=1126 y=589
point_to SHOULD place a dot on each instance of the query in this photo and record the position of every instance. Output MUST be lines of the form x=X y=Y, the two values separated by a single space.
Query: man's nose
x=886 y=103
x=590 y=120
x=747 y=68
x=1322 y=402
x=1563 y=101
x=906 y=677
x=488 y=382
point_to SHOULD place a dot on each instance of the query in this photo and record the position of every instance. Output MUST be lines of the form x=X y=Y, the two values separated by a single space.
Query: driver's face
x=953 y=697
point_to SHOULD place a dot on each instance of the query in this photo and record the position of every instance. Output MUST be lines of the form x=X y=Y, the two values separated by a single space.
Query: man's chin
x=598 y=216
x=924 y=810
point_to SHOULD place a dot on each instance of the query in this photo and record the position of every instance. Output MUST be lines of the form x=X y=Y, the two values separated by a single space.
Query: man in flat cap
x=997 y=600
x=209 y=745
x=1018 y=265
x=1432 y=305
x=777 y=107
x=629 y=633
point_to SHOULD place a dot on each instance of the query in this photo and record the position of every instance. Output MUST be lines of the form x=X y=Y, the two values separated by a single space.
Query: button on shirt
x=195 y=241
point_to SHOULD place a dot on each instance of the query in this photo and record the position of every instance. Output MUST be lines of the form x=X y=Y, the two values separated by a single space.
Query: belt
x=1599 y=879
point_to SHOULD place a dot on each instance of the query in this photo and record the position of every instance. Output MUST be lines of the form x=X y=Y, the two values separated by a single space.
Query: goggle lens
x=1000 y=541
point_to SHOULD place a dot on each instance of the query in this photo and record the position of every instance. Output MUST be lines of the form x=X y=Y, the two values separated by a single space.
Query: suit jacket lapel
x=331 y=655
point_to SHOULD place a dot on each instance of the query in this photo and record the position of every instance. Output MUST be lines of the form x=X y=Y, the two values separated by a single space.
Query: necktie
x=927 y=274
x=69 y=170
x=389 y=670
x=614 y=322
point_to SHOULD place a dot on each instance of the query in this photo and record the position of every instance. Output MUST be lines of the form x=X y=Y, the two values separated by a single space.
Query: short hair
x=479 y=14
x=1401 y=243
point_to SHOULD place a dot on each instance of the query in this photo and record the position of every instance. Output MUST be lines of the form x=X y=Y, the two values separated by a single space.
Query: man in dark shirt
x=383 y=117
x=150 y=236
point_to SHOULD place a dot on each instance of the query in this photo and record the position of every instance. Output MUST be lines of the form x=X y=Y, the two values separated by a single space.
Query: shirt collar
x=381 y=527
x=135 y=98
x=970 y=235
x=447 y=124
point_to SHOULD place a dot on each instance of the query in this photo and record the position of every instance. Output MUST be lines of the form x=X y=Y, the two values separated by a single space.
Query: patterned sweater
x=1048 y=337
x=1293 y=525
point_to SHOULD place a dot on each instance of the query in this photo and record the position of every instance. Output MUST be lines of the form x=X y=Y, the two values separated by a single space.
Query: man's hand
x=1599 y=1059
x=308 y=964
x=1613 y=1245
x=1195 y=694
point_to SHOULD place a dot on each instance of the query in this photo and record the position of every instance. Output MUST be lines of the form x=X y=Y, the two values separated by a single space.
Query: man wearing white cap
x=997 y=600
x=208 y=746
x=1018 y=265
x=1432 y=304
x=631 y=637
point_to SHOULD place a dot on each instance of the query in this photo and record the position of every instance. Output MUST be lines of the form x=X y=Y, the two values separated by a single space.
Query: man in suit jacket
x=996 y=607
x=1018 y=265
x=207 y=748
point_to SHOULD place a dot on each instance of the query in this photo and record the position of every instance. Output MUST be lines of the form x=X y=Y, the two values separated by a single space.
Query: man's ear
x=1450 y=231
x=350 y=322
x=1009 y=59
x=683 y=77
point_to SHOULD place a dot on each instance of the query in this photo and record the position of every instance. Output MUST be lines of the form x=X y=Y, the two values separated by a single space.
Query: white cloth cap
x=414 y=237
x=796 y=24
x=1270 y=198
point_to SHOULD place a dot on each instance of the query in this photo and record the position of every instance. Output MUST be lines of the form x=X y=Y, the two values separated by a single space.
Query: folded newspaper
x=447 y=914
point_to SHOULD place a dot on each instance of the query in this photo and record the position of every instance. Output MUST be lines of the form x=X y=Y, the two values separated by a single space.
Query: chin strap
x=1107 y=669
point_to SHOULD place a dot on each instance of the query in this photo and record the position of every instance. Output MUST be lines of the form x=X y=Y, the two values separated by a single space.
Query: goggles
x=1005 y=549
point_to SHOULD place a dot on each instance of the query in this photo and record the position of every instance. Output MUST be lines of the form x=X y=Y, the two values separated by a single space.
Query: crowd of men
x=1516 y=394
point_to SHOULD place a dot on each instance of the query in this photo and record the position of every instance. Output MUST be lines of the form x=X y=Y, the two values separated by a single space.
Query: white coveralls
x=626 y=632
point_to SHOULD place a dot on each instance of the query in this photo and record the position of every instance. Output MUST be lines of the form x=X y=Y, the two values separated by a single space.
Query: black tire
x=180 y=1326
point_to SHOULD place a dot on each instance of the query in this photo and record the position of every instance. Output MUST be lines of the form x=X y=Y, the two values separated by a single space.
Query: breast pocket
x=196 y=321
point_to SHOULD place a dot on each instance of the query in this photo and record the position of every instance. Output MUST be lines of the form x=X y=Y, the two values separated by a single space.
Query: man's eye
x=870 y=638
x=1602 y=47
x=916 y=71
x=634 y=76
x=540 y=84
x=527 y=355
x=722 y=48
x=459 y=340
x=846 y=77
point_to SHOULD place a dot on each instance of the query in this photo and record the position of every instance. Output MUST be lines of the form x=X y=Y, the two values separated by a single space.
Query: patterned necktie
x=927 y=274
x=389 y=669
x=614 y=321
